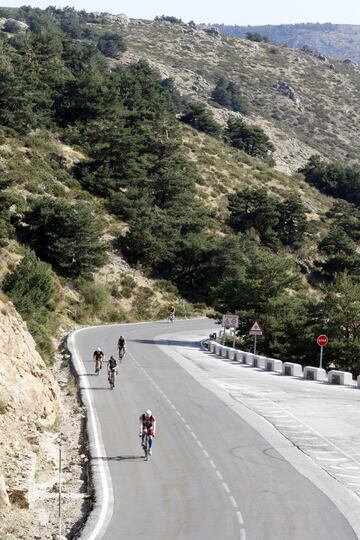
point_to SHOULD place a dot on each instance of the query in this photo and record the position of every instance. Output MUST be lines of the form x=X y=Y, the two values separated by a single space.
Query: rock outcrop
x=26 y=386
x=29 y=401
x=288 y=91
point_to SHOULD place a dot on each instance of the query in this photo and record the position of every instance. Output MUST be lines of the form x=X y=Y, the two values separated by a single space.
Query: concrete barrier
x=240 y=357
x=231 y=354
x=218 y=349
x=271 y=364
x=224 y=352
x=212 y=346
x=339 y=377
x=294 y=370
x=314 y=374
x=259 y=362
x=249 y=359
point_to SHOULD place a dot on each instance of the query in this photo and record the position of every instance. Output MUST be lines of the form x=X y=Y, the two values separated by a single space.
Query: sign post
x=230 y=321
x=255 y=331
x=322 y=341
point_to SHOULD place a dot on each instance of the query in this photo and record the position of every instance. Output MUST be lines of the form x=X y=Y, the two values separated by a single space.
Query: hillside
x=340 y=41
x=316 y=119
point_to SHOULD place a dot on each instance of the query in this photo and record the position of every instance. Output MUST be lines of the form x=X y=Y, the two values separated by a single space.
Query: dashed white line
x=233 y=502
x=239 y=517
x=206 y=454
x=226 y=487
x=219 y=475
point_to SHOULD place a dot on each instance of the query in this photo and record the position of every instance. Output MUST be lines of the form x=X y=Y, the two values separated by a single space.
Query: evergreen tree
x=197 y=116
x=253 y=208
x=292 y=221
x=64 y=235
x=251 y=139
x=227 y=94
x=30 y=286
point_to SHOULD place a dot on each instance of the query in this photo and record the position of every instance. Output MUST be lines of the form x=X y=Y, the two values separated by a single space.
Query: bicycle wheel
x=146 y=447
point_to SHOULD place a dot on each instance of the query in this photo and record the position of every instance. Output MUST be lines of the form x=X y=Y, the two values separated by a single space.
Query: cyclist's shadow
x=118 y=458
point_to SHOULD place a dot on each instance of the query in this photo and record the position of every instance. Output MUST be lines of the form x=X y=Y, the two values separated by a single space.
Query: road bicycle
x=122 y=352
x=111 y=378
x=98 y=365
x=145 y=443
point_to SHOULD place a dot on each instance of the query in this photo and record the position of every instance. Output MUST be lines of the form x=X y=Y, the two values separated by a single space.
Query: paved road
x=211 y=475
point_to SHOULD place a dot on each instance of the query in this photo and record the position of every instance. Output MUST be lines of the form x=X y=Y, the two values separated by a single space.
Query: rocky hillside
x=303 y=102
x=35 y=416
x=340 y=41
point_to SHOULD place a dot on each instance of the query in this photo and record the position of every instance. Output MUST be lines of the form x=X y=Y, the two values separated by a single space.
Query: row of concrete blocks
x=286 y=368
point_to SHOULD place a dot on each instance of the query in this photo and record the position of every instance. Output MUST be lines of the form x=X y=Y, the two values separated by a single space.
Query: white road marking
x=226 y=487
x=240 y=518
x=211 y=462
x=219 y=475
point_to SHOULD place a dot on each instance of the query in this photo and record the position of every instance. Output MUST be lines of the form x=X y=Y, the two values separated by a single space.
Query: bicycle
x=98 y=365
x=171 y=317
x=145 y=443
x=111 y=378
x=122 y=352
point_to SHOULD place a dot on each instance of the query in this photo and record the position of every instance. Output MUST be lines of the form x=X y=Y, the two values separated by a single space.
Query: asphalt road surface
x=211 y=475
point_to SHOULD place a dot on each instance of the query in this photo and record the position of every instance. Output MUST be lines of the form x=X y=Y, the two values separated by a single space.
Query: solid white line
x=107 y=501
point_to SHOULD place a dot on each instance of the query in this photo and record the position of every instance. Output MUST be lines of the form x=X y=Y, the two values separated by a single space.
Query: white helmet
x=148 y=413
x=99 y=350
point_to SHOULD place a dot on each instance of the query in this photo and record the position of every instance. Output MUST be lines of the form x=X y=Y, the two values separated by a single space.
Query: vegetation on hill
x=335 y=40
x=142 y=176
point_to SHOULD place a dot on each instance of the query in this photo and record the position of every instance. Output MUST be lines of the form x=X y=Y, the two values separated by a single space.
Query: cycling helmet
x=112 y=358
x=148 y=413
x=98 y=349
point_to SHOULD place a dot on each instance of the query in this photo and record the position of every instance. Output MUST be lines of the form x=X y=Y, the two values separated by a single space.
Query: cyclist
x=147 y=422
x=121 y=346
x=99 y=357
x=172 y=313
x=111 y=366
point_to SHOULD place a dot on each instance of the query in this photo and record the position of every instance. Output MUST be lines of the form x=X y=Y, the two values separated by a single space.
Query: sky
x=241 y=12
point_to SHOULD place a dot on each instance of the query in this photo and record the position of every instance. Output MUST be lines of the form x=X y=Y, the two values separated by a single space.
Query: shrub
x=96 y=297
x=251 y=139
x=197 y=116
x=111 y=44
x=115 y=315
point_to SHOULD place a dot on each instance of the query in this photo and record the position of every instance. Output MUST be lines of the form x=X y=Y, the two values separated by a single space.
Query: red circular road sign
x=322 y=340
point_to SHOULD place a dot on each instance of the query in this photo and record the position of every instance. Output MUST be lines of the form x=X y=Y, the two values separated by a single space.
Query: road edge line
x=102 y=511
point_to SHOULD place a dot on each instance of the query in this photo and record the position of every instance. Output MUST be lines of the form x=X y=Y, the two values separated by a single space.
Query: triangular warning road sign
x=256 y=327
